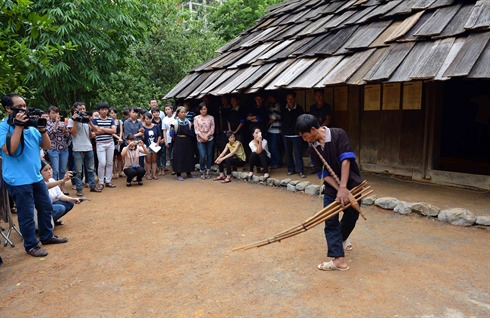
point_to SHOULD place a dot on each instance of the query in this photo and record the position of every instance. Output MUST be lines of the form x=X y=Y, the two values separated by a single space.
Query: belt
x=181 y=135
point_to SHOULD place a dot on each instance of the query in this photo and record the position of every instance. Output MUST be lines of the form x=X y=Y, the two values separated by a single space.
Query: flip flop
x=347 y=245
x=219 y=178
x=330 y=266
x=59 y=222
x=180 y=179
x=226 y=180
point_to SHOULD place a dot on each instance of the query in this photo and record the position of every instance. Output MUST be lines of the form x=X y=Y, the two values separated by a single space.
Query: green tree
x=235 y=16
x=20 y=27
x=102 y=32
x=177 y=42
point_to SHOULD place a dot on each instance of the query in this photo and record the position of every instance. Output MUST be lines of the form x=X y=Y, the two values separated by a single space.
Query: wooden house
x=409 y=80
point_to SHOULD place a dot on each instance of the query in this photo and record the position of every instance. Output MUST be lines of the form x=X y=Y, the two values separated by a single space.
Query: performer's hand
x=343 y=196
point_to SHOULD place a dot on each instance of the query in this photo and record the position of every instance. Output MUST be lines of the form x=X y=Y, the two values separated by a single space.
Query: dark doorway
x=465 y=128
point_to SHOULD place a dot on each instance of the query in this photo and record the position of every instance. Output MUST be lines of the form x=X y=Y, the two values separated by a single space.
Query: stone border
x=455 y=216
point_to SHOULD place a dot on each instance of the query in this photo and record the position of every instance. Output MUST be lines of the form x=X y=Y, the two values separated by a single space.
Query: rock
x=271 y=182
x=284 y=182
x=483 y=220
x=196 y=167
x=294 y=182
x=291 y=188
x=244 y=175
x=369 y=200
x=235 y=174
x=425 y=209
x=457 y=216
x=302 y=185
x=312 y=189
x=403 y=208
x=255 y=179
x=387 y=203
x=277 y=182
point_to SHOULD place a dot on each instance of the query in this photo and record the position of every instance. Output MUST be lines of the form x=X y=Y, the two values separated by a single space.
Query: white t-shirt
x=55 y=192
x=166 y=122
x=264 y=146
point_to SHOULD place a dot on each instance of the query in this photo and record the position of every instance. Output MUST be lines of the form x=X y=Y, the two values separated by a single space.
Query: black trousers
x=229 y=162
x=260 y=160
x=137 y=172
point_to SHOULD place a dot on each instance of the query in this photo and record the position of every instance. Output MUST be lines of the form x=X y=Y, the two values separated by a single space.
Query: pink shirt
x=204 y=125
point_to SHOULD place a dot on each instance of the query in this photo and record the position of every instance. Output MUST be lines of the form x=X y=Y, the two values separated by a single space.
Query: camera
x=32 y=114
x=83 y=117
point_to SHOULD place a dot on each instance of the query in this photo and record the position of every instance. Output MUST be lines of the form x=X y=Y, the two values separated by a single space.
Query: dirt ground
x=165 y=250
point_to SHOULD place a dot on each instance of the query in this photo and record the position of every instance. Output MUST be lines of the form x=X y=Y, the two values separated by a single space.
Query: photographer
x=58 y=153
x=21 y=173
x=62 y=204
x=131 y=153
x=81 y=128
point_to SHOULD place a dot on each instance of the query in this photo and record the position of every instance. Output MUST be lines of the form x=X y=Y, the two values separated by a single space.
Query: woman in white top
x=260 y=155
x=62 y=204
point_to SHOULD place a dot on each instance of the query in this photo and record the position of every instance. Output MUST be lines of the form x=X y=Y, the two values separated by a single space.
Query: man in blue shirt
x=21 y=170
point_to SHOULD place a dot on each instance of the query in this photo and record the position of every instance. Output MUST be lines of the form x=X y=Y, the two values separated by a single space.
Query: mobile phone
x=260 y=134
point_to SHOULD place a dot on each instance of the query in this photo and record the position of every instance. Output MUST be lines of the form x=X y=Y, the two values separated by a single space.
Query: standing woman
x=183 y=154
x=152 y=134
x=58 y=153
x=118 y=143
x=204 y=128
x=131 y=155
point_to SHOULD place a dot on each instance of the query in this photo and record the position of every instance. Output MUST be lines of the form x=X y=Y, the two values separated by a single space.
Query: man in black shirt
x=292 y=141
x=334 y=146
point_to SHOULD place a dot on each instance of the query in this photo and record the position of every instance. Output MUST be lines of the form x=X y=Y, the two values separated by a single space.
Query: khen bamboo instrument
x=356 y=194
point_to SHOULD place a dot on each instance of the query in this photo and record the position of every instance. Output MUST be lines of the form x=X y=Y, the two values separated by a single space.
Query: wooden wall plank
x=389 y=141
x=370 y=136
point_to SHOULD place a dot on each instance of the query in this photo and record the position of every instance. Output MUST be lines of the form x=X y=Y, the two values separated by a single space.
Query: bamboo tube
x=320 y=217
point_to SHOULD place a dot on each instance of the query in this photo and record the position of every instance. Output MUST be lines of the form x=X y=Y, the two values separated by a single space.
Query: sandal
x=140 y=183
x=128 y=184
x=347 y=245
x=226 y=180
x=59 y=222
x=155 y=178
x=180 y=179
x=148 y=177
x=219 y=178
x=330 y=266
x=110 y=185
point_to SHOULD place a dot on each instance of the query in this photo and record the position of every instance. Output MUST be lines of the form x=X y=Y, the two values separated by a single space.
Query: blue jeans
x=294 y=145
x=338 y=231
x=26 y=197
x=275 y=148
x=84 y=159
x=161 y=156
x=205 y=154
x=60 y=208
x=59 y=161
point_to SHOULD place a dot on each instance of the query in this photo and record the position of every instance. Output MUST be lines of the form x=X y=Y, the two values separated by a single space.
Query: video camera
x=33 y=116
x=83 y=117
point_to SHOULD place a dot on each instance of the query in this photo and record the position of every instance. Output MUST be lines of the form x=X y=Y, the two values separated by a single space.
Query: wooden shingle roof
x=303 y=44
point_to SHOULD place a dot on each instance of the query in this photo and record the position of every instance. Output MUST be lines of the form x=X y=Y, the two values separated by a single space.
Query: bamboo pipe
x=279 y=239
x=300 y=229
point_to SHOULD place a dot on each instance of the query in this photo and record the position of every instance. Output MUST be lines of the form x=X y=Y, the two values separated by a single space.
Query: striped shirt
x=103 y=123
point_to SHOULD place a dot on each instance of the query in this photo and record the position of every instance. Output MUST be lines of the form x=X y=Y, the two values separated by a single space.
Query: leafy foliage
x=19 y=58
x=177 y=42
x=235 y=16
x=101 y=31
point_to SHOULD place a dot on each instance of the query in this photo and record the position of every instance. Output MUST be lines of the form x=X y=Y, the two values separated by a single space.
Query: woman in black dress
x=183 y=152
